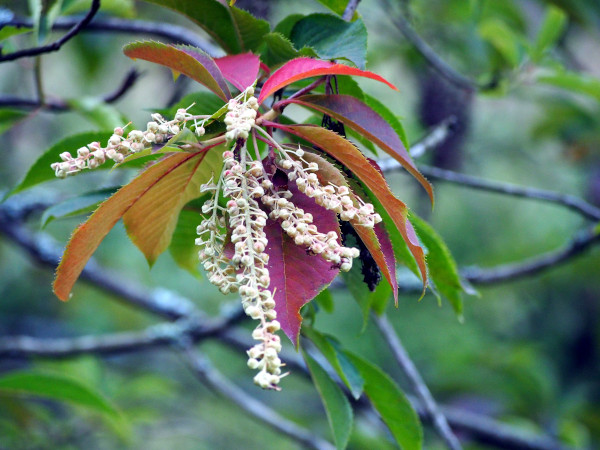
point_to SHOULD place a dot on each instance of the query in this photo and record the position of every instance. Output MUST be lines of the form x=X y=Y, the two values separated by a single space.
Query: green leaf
x=391 y=403
x=40 y=171
x=280 y=49
x=574 y=82
x=101 y=114
x=502 y=38
x=57 y=387
x=331 y=350
x=250 y=29
x=442 y=267
x=332 y=37
x=325 y=300
x=9 y=117
x=183 y=248
x=286 y=25
x=365 y=298
x=337 y=406
x=552 y=28
x=8 y=31
x=337 y=6
x=76 y=206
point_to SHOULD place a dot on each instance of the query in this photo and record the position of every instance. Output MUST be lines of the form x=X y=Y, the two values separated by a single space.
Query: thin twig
x=169 y=31
x=416 y=381
x=350 y=9
x=434 y=60
x=56 y=45
x=580 y=243
x=62 y=106
x=254 y=408
x=571 y=202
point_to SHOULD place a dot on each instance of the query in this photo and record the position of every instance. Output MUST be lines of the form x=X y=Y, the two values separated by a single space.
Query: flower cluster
x=158 y=131
x=241 y=116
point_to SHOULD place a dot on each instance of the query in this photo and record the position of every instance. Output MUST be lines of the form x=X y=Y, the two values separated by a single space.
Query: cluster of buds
x=241 y=115
x=334 y=198
x=298 y=225
x=119 y=147
x=242 y=185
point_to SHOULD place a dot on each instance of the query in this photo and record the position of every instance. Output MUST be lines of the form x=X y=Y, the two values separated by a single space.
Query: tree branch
x=255 y=409
x=434 y=60
x=169 y=31
x=62 y=106
x=571 y=202
x=350 y=10
x=440 y=424
x=56 y=45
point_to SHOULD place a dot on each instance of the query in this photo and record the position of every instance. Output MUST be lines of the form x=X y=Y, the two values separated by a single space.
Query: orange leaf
x=151 y=220
x=189 y=61
x=87 y=237
x=345 y=152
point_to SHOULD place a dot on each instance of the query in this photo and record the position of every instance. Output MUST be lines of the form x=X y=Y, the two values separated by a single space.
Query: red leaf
x=189 y=61
x=300 y=68
x=87 y=237
x=345 y=152
x=360 y=117
x=240 y=70
x=296 y=276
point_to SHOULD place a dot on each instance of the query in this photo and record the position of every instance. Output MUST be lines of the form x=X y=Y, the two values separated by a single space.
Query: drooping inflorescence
x=246 y=199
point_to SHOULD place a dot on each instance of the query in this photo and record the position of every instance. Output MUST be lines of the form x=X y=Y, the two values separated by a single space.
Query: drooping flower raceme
x=231 y=235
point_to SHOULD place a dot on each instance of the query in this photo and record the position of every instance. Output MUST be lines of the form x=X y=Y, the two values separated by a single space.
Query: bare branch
x=581 y=242
x=434 y=60
x=416 y=381
x=576 y=204
x=169 y=31
x=255 y=409
x=350 y=9
x=62 y=106
x=56 y=45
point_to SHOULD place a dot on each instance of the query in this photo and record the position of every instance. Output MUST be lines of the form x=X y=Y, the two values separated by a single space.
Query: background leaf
x=76 y=206
x=391 y=403
x=9 y=118
x=552 y=28
x=332 y=37
x=40 y=171
x=57 y=387
x=337 y=406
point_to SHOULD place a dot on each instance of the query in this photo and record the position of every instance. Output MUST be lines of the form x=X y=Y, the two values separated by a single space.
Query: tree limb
x=350 y=10
x=429 y=405
x=255 y=409
x=61 y=106
x=169 y=31
x=56 y=45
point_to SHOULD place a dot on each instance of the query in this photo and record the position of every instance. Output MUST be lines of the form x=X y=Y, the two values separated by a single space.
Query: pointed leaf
x=337 y=406
x=391 y=403
x=151 y=220
x=301 y=68
x=296 y=276
x=280 y=49
x=375 y=239
x=182 y=247
x=332 y=37
x=249 y=29
x=345 y=152
x=442 y=267
x=40 y=171
x=213 y=16
x=87 y=237
x=331 y=350
x=358 y=116
x=187 y=60
x=553 y=26
x=76 y=206
x=239 y=70
x=57 y=387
